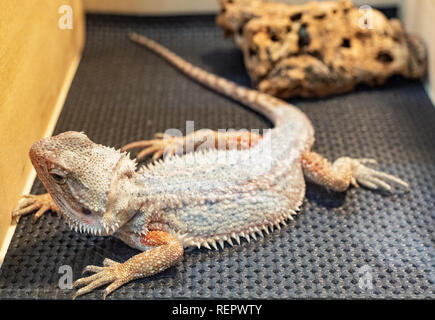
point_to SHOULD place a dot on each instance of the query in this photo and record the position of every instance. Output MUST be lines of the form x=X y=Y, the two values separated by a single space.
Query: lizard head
x=86 y=180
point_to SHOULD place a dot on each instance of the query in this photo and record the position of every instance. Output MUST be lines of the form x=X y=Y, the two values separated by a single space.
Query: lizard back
x=211 y=196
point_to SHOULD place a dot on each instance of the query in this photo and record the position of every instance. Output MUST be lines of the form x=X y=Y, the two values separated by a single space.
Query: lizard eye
x=58 y=176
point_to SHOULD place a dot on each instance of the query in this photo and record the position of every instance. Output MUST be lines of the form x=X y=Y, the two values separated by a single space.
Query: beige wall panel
x=37 y=61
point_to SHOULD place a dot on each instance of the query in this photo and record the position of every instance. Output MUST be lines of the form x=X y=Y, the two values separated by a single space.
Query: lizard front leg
x=345 y=172
x=198 y=140
x=29 y=203
x=167 y=251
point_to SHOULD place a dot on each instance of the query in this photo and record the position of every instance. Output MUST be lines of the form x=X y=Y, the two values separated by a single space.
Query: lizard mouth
x=80 y=219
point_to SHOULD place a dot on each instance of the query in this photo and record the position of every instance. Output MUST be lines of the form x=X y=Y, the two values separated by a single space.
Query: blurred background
x=417 y=15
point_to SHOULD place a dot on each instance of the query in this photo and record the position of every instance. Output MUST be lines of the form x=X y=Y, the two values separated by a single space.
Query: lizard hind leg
x=29 y=203
x=346 y=171
x=166 y=252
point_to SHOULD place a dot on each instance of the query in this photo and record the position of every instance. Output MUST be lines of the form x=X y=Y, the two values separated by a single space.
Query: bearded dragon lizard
x=189 y=198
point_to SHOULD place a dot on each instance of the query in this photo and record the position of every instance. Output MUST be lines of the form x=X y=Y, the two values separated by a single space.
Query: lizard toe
x=102 y=276
x=374 y=179
x=41 y=203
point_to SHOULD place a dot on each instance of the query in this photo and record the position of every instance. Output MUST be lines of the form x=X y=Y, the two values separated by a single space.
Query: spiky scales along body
x=198 y=199
x=209 y=202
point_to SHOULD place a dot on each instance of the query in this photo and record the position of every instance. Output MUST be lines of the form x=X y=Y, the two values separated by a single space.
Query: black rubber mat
x=359 y=244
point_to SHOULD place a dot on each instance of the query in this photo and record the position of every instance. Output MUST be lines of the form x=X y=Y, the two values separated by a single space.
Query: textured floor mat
x=355 y=245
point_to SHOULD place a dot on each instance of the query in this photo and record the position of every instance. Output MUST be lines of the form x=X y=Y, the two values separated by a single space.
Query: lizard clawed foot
x=162 y=145
x=374 y=179
x=167 y=250
x=112 y=272
x=28 y=203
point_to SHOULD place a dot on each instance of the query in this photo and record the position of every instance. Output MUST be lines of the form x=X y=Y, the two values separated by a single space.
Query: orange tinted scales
x=166 y=252
x=236 y=140
x=336 y=176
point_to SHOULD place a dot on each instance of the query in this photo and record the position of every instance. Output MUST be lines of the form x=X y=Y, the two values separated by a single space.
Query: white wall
x=419 y=18
x=187 y=6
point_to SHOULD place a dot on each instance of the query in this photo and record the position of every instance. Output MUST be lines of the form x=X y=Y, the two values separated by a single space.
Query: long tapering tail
x=265 y=104
x=260 y=102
